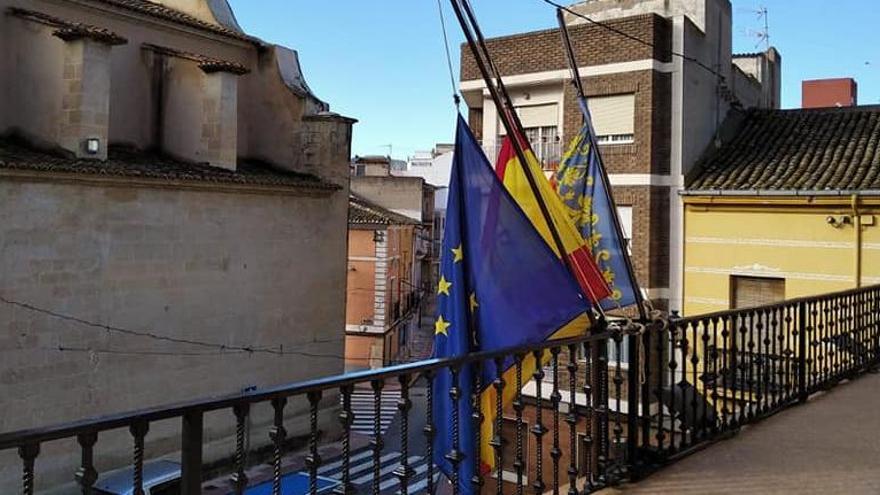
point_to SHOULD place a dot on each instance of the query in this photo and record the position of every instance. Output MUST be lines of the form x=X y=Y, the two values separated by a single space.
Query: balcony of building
x=549 y=153
x=771 y=399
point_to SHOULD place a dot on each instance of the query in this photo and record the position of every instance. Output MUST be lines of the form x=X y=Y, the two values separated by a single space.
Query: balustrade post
x=191 y=453
x=802 y=352
x=632 y=403
x=87 y=475
x=28 y=454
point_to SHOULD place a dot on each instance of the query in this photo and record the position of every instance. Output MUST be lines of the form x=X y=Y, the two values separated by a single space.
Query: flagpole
x=603 y=176
x=496 y=74
x=517 y=146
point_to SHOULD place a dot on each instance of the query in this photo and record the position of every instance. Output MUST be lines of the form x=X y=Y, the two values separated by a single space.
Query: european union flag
x=500 y=286
x=581 y=183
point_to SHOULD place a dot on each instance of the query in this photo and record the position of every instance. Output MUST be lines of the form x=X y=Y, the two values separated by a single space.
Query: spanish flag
x=578 y=251
x=500 y=287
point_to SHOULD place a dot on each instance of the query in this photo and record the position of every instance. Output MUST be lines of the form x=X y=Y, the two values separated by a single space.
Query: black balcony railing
x=581 y=422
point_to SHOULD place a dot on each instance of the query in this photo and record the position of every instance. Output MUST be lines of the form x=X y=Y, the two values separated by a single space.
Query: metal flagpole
x=579 y=88
x=495 y=73
x=512 y=131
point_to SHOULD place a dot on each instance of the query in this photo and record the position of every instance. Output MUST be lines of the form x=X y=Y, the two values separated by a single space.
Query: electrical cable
x=455 y=97
x=633 y=38
x=142 y=352
x=226 y=348
x=221 y=349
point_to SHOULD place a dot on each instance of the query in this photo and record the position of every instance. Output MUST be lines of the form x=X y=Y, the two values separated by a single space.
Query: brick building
x=654 y=113
x=163 y=173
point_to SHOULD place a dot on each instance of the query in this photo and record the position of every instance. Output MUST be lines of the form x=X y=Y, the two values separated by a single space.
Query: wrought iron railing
x=720 y=371
x=581 y=422
x=549 y=154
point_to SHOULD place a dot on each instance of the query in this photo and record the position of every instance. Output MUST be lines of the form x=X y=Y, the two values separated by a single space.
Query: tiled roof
x=797 y=150
x=363 y=212
x=67 y=30
x=748 y=55
x=162 y=12
x=373 y=159
x=206 y=63
x=128 y=163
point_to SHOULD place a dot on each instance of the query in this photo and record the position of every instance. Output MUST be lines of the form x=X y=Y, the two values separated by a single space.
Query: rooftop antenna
x=390 y=148
x=763 y=35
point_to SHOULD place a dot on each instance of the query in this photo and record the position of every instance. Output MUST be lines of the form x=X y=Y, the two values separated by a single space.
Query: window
x=625 y=214
x=168 y=488
x=538 y=115
x=615 y=139
x=582 y=450
x=360 y=170
x=610 y=354
x=624 y=352
x=613 y=118
x=544 y=141
x=746 y=292
x=508 y=439
x=541 y=125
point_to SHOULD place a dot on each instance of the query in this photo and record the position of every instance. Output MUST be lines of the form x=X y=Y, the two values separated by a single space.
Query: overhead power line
x=219 y=349
x=626 y=35
x=225 y=348
x=148 y=352
x=455 y=98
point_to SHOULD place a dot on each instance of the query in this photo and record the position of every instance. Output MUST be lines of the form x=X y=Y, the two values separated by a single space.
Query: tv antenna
x=763 y=35
x=390 y=148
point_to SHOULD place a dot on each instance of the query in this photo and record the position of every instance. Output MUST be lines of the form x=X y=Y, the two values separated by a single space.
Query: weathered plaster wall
x=246 y=269
x=401 y=195
x=34 y=109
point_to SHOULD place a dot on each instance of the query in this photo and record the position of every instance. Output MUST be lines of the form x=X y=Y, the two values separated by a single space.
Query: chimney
x=823 y=93
x=200 y=108
x=85 y=93
x=220 y=119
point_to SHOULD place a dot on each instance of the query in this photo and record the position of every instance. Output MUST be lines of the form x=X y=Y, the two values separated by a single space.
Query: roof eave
x=779 y=192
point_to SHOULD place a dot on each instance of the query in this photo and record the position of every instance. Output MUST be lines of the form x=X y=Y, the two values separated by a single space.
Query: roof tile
x=364 y=212
x=162 y=12
x=130 y=163
x=68 y=30
x=801 y=149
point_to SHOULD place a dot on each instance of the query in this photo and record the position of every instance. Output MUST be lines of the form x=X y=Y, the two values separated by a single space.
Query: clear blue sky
x=383 y=61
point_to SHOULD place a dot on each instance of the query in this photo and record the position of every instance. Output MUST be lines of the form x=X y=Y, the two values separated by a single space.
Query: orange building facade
x=382 y=300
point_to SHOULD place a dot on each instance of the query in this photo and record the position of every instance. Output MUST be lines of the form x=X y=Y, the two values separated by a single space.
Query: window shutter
x=756 y=291
x=536 y=116
x=613 y=115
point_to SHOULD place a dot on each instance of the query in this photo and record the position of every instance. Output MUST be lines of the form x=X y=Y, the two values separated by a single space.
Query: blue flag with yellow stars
x=580 y=182
x=500 y=286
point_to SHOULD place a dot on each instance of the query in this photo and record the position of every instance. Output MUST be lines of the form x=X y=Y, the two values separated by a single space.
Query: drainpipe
x=857 y=225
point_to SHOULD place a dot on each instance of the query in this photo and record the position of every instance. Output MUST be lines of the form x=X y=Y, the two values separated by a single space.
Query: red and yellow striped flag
x=578 y=251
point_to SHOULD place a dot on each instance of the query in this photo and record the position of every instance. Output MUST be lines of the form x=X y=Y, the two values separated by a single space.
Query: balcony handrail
x=685 y=382
x=59 y=431
x=793 y=302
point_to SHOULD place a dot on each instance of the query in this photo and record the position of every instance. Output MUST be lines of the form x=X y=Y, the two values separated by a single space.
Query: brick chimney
x=84 y=123
x=822 y=93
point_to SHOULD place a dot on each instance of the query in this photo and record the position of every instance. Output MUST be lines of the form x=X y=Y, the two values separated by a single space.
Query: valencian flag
x=500 y=286
x=580 y=182
x=578 y=252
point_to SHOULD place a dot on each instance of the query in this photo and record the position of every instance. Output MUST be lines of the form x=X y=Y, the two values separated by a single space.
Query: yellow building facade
x=799 y=246
x=786 y=205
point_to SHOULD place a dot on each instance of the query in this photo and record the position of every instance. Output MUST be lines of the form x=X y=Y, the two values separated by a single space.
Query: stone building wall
x=226 y=267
